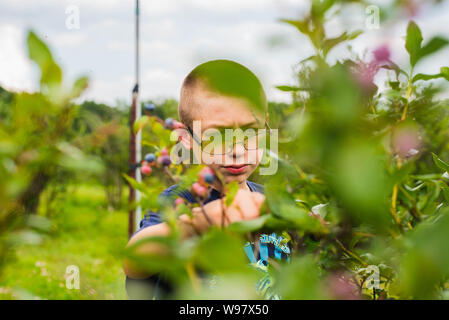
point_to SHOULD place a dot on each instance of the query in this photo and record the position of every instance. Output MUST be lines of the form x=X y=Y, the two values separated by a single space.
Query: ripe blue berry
x=164 y=160
x=169 y=123
x=149 y=107
x=150 y=157
x=209 y=178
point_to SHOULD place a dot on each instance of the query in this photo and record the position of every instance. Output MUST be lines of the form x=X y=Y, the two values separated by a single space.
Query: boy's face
x=216 y=111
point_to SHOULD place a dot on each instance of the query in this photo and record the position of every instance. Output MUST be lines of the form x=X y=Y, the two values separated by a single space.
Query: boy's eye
x=221 y=141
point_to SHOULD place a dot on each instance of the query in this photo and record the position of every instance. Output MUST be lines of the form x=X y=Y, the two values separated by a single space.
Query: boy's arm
x=246 y=206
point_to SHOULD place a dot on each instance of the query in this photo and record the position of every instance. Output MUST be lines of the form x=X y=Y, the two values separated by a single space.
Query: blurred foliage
x=103 y=131
x=361 y=184
x=35 y=148
x=84 y=233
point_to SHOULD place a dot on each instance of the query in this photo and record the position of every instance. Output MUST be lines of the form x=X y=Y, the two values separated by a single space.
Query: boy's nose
x=238 y=150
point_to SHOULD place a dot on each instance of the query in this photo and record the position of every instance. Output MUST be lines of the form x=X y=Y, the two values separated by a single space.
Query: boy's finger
x=239 y=197
x=233 y=214
x=247 y=205
x=258 y=199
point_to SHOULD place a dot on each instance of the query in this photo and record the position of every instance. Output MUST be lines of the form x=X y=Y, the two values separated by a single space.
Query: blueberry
x=149 y=106
x=209 y=178
x=169 y=123
x=150 y=157
x=164 y=160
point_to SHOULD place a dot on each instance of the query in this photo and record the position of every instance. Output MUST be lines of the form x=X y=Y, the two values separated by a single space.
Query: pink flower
x=179 y=201
x=365 y=73
x=406 y=142
x=412 y=8
x=341 y=287
x=199 y=190
x=382 y=54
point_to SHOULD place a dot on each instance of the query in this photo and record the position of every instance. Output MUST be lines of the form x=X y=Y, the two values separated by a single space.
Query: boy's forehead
x=216 y=110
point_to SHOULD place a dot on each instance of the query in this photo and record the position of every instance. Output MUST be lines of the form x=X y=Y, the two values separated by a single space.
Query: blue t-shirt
x=270 y=246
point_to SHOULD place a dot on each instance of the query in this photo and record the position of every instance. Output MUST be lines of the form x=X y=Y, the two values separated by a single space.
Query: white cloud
x=68 y=39
x=176 y=35
x=16 y=70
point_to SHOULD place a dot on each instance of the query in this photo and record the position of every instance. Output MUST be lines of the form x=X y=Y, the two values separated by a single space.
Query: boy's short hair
x=224 y=77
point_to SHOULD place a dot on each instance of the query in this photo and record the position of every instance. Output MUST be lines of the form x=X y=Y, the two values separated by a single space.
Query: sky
x=177 y=35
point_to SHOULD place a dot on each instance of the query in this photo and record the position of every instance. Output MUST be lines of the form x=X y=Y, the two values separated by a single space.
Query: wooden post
x=135 y=156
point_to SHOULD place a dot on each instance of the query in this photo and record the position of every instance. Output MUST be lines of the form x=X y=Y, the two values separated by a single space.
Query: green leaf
x=274 y=223
x=301 y=25
x=394 y=85
x=320 y=7
x=433 y=46
x=426 y=255
x=248 y=225
x=51 y=73
x=136 y=185
x=426 y=77
x=413 y=42
x=433 y=191
x=74 y=159
x=445 y=189
x=360 y=182
x=140 y=123
x=299 y=279
x=440 y=163
x=220 y=252
x=301 y=218
x=354 y=34
x=393 y=66
x=329 y=44
x=290 y=88
x=231 y=191
x=79 y=86
x=444 y=73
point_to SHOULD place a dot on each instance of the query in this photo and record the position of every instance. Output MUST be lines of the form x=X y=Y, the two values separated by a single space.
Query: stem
x=192 y=276
x=351 y=254
x=371 y=106
x=170 y=175
x=416 y=214
x=393 y=205
x=223 y=214
x=203 y=211
x=394 y=199
x=192 y=225
x=407 y=95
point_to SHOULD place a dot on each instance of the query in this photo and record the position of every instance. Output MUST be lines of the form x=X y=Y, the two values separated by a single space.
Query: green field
x=84 y=233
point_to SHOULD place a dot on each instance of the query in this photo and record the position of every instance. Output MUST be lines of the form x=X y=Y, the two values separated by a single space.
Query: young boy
x=216 y=95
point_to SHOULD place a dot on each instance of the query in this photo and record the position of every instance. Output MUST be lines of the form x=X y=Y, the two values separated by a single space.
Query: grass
x=85 y=234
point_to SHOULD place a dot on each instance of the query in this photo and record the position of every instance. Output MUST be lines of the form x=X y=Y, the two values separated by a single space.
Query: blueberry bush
x=361 y=193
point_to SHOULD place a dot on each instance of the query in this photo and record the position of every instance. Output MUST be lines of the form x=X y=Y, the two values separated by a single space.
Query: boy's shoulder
x=176 y=191
x=255 y=187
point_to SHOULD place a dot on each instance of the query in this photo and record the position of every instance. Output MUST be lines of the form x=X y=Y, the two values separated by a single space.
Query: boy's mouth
x=236 y=169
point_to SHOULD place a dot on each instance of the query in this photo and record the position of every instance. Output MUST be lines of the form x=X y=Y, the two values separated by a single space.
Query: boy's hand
x=245 y=206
